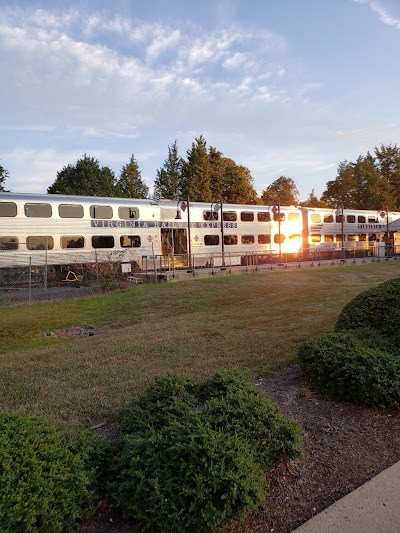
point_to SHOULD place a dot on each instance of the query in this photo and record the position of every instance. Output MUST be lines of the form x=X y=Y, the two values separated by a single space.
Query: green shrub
x=186 y=477
x=193 y=455
x=44 y=482
x=345 y=368
x=377 y=308
x=232 y=405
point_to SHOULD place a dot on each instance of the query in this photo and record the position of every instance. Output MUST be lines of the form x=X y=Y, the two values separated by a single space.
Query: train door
x=173 y=241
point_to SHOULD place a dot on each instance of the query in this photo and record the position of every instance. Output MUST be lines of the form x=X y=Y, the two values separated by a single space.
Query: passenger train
x=71 y=229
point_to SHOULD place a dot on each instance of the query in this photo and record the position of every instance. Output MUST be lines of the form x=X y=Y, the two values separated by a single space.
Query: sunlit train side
x=68 y=229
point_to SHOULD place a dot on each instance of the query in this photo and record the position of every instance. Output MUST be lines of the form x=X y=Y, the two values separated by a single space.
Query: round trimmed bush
x=193 y=455
x=377 y=308
x=44 y=483
x=185 y=477
x=345 y=368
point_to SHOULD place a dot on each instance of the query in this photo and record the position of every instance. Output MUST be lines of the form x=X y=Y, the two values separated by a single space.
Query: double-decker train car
x=77 y=229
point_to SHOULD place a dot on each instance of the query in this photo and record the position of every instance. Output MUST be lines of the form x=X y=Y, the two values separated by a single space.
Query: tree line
x=206 y=175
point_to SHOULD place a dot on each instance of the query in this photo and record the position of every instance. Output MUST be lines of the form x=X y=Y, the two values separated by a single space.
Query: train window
x=230 y=240
x=130 y=241
x=352 y=237
x=128 y=213
x=362 y=237
x=293 y=217
x=70 y=211
x=339 y=237
x=264 y=216
x=276 y=216
x=315 y=217
x=294 y=236
x=247 y=216
x=340 y=218
x=8 y=209
x=211 y=240
x=361 y=219
x=230 y=216
x=372 y=220
x=351 y=219
x=8 y=243
x=210 y=215
x=264 y=238
x=372 y=237
x=100 y=241
x=72 y=242
x=40 y=242
x=328 y=218
x=247 y=239
x=101 y=211
x=328 y=238
x=315 y=238
x=38 y=210
x=279 y=238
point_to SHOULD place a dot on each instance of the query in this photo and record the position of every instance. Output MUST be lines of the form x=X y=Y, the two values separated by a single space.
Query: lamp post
x=340 y=212
x=182 y=205
x=218 y=205
x=277 y=212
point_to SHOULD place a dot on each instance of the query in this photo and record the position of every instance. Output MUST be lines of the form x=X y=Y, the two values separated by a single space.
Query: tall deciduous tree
x=373 y=191
x=85 y=178
x=3 y=177
x=130 y=183
x=342 y=190
x=167 y=183
x=283 y=190
x=388 y=164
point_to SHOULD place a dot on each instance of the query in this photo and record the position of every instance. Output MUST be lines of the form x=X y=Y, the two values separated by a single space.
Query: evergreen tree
x=313 y=201
x=196 y=173
x=167 y=183
x=3 y=177
x=130 y=183
x=86 y=178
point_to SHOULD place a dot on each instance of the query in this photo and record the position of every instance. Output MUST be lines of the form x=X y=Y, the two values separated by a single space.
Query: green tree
x=130 y=183
x=373 y=191
x=196 y=173
x=85 y=178
x=167 y=183
x=3 y=177
x=342 y=191
x=283 y=190
x=313 y=201
x=388 y=164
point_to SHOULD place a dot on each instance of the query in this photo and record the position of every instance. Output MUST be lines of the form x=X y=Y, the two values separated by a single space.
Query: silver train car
x=60 y=229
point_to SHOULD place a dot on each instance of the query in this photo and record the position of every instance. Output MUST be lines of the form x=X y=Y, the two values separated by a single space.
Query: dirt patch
x=344 y=446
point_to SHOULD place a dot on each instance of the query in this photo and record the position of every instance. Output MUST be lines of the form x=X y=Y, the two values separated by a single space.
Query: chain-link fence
x=45 y=275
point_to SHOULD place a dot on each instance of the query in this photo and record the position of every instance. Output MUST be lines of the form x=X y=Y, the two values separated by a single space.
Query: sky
x=286 y=88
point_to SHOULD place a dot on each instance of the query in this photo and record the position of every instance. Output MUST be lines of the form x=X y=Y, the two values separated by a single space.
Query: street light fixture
x=277 y=214
x=340 y=213
x=215 y=207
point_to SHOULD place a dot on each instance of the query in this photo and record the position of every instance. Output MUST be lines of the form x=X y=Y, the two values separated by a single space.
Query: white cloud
x=382 y=12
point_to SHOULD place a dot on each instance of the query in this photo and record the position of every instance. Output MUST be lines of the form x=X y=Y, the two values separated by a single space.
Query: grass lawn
x=250 y=321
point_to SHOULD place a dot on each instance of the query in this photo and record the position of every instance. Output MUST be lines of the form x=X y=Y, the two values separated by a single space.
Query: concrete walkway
x=372 y=508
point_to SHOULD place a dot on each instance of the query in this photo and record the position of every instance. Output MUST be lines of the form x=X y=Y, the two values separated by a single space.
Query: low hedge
x=45 y=482
x=193 y=455
x=346 y=368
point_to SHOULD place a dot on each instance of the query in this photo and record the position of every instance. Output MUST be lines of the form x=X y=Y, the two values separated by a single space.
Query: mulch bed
x=344 y=446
